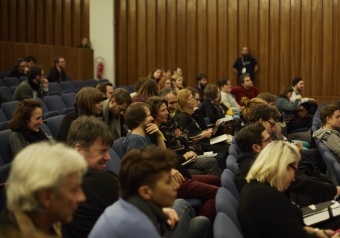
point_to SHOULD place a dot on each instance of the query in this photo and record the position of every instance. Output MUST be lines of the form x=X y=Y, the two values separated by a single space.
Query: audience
x=166 y=73
x=164 y=83
x=209 y=107
x=43 y=189
x=308 y=103
x=155 y=74
x=88 y=102
x=106 y=88
x=57 y=72
x=36 y=85
x=177 y=70
x=246 y=89
x=202 y=81
x=226 y=98
x=178 y=82
x=25 y=126
x=113 y=112
x=30 y=61
x=20 y=69
x=148 y=88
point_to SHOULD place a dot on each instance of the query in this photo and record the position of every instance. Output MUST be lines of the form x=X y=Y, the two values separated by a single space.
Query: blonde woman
x=264 y=209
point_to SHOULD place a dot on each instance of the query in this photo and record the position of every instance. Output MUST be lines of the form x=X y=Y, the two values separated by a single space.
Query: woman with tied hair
x=88 y=102
x=25 y=126
x=264 y=209
x=155 y=74
x=191 y=119
x=43 y=189
x=148 y=89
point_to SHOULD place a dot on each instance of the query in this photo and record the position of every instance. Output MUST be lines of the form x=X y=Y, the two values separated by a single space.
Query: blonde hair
x=247 y=105
x=183 y=98
x=37 y=167
x=272 y=162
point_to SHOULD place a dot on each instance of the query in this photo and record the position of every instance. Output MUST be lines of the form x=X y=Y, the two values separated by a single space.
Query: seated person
x=25 y=126
x=138 y=119
x=57 y=72
x=146 y=88
x=246 y=89
x=209 y=107
x=264 y=209
x=308 y=103
x=177 y=141
x=226 y=98
x=43 y=189
x=34 y=86
x=106 y=88
x=20 y=69
x=328 y=133
x=146 y=189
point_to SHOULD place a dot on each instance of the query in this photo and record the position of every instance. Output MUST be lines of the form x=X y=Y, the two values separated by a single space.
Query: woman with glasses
x=209 y=107
x=285 y=106
x=264 y=209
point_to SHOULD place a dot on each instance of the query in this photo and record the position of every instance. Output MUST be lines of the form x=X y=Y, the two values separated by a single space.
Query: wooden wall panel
x=53 y=22
x=288 y=38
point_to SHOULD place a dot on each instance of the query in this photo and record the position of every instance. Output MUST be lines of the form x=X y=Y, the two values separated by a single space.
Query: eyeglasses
x=197 y=99
x=267 y=140
x=296 y=170
x=272 y=124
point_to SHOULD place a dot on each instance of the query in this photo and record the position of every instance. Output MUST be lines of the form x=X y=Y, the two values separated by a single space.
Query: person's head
x=244 y=51
x=170 y=96
x=337 y=103
x=92 y=138
x=178 y=80
x=21 y=64
x=106 y=88
x=286 y=92
x=27 y=116
x=36 y=74
x=330 y=117
x=247 y=105
x=139 y=83
x=90 y=99
x=246 y=81
x=224 y=85
x=149 y=88
x=266 y=115
x=85 y=42
x=177 y=70
x=196 y=95
x=137 y=114
x=185 y=101
x=166 y=73
x=158 y=109
x=30 y=61
x=253 y=138
x=269 y=98
x=211 y=92
x=202 y=80
x=164 y=83
x=147 y=172
x=46 y=179
x=119 y=101
x=276 y=164
x=298 y=84
x=59 y=62
x=155 y=73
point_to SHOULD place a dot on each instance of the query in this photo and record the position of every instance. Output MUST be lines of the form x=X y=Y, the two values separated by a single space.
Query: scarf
x=32 y=136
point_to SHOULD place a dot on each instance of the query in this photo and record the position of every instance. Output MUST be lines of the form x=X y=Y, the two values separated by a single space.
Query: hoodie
x=331 y=139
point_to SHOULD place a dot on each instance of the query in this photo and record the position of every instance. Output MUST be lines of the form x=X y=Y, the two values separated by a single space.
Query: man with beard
x=31 y=88
x=113 y=112
x=57 y=73
x=202 y=81
x=245 y=64
x=308 y=103
x=246 y=89
x=20 y=69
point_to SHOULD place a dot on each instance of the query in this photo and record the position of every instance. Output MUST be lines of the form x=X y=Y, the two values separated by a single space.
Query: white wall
x=102 y=35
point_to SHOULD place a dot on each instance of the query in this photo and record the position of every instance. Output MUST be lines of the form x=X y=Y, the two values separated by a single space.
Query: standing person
x=247 y=89
x=245 y=64
x=226 y=98
x=308 y=103
x=43 y=190
x=85 y=43
x=20 y=69
x=57 y=72
x=36 y=85
x=202 y=81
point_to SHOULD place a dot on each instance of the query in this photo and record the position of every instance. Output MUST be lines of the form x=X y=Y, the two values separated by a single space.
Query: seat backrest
x=22 y=78
x=2 y=83
x=4 y=74
x=3 y=118
x=224 y=227
x=8 y=108
x=6 y=93
x=226 y=203
x=54 y=88
x=5 y=148
x=53 y=124
x=45 y=128
x=67 y=85
x=228 y=182
x=232 y=164
x=114 y=163
x=103 y=81
x=79 y=84
x=4 y=172
x=234 y=150
x=11 y=81
x=92 y=82
x=69 y=99
x=336 y=167
x=118 y=147
x=54 y=102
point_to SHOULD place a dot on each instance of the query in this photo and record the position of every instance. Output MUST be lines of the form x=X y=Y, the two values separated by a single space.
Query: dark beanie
x=296 y=81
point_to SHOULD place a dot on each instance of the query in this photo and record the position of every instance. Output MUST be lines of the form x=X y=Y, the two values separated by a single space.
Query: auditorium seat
x=67 y=85
x=8 y=108
x=69 y=99
x=6 y=93
x=224 y=227
x=5 y=151
x=55 y=103
x=53 y=124
x=46 y=112
x=92 y=83
x=11 y=81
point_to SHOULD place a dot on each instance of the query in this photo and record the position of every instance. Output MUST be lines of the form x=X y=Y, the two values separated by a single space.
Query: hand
x=152 y=128
x=45 y=83
x=177 y=176
x=312 y=100
x=178 y=132
x=298 y=97
x=189 y=155
x=26 y=70
x=217 y=122
x=299 y=145
x=172 y=215
x=207 y=133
